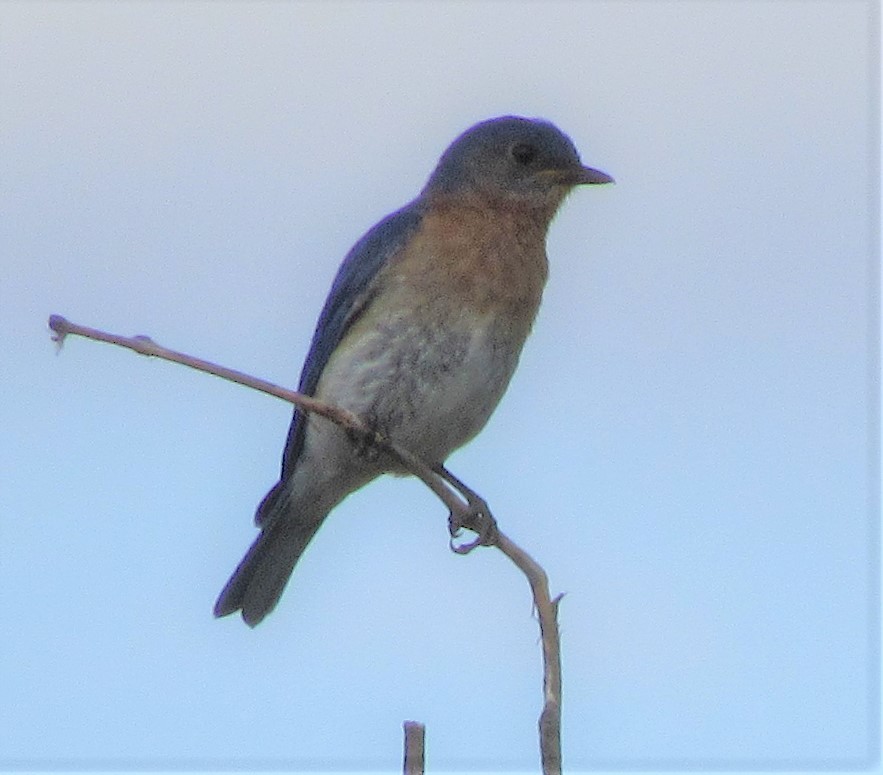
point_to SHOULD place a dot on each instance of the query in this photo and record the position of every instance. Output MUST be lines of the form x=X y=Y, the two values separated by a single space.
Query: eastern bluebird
x=420 y=333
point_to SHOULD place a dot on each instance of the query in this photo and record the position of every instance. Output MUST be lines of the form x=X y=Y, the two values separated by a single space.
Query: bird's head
x=522 y=161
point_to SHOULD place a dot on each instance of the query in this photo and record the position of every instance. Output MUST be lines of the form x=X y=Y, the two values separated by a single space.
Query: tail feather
x=258 y=581
x=269 y=508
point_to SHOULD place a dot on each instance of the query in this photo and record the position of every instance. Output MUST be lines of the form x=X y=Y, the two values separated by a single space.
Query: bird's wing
x=350 y=295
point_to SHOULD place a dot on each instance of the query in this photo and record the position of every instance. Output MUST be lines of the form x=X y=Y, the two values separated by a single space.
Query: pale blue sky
x=687 y=447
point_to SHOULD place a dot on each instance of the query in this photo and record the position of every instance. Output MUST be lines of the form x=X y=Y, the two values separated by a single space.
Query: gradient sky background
x=688 y=446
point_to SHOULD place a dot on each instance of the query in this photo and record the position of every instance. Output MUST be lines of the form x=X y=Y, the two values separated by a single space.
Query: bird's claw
x=464 y=548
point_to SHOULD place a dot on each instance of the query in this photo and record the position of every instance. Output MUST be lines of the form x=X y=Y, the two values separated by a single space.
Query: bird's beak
x=589 y=176
x=579 y=176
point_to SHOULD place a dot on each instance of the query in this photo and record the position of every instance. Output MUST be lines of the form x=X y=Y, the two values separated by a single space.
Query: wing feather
x=351 y=293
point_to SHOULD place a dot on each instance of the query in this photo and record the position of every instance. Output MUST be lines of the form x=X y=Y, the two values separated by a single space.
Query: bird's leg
x=371 y=441
x=368 y=443
x=476 y=516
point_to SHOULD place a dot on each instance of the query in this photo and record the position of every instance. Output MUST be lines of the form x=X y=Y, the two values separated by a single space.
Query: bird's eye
x=524 y=153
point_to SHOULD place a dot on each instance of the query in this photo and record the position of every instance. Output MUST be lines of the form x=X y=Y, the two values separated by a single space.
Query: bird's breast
x=491 y=261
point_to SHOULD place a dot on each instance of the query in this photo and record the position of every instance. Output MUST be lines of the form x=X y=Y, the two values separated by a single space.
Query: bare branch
x=415 y=741
x=462 y=513
x=144 y=345
x=547 y=613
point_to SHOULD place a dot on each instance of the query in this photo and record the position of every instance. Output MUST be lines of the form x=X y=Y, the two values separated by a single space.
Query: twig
x=546 y=607
x=144 y=345
x=415 y=741
x=547 y=613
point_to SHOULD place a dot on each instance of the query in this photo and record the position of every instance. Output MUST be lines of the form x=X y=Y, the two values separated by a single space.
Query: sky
x=689 y=446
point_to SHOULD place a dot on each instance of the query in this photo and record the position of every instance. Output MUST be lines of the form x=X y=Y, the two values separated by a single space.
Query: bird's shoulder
x=353 y=286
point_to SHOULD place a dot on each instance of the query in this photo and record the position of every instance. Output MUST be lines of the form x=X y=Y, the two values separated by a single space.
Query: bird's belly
x=430 y=389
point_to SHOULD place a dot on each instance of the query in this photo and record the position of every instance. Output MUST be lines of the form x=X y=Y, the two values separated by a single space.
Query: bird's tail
x=256 y=585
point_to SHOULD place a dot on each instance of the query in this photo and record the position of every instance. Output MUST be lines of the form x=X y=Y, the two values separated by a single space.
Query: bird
x=420 y=334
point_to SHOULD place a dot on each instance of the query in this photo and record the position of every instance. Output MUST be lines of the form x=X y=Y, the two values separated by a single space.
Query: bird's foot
x=476 y=517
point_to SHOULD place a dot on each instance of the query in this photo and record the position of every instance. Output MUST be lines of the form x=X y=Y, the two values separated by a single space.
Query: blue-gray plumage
x=420 y=334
